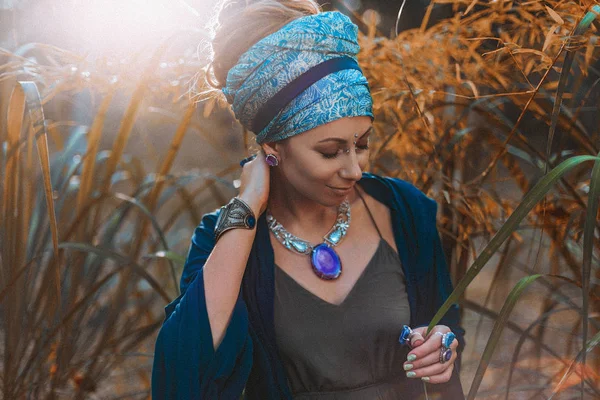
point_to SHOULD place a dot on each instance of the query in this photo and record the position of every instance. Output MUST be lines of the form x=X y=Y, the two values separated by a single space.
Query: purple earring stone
x=272 y=160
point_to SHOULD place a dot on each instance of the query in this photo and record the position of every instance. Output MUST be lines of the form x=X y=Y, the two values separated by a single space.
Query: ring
x=411 y=338
x=247 y=159
x=405 y=333
x=445 y=355
x=447 y=339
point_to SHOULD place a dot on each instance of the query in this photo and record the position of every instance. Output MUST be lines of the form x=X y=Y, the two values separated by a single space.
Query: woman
x=300 y=286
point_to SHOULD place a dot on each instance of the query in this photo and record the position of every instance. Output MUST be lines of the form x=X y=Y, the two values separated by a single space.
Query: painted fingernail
x=425 y=378
x=411 y=357
x=411 y=374
x=408 y=367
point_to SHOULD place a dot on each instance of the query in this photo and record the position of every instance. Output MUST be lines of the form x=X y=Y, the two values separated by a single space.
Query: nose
x=351 y=169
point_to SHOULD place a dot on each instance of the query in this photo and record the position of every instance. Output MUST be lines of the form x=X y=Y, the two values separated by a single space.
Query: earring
x=272 y=160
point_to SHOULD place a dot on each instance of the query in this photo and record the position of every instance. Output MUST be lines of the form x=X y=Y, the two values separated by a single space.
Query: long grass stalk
x=509 y=227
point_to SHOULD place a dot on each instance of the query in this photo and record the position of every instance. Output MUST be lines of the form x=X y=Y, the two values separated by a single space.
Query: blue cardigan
x=186 y=366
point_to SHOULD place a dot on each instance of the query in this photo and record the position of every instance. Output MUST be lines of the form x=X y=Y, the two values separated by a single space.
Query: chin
x=331 y=200
x=328 y=197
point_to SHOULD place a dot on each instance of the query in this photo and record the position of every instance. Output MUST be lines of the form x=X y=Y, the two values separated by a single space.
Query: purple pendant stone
x=325 y=262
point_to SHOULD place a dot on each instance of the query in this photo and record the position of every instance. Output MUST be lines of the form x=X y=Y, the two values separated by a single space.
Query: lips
x=341 y=191
x=341 y=188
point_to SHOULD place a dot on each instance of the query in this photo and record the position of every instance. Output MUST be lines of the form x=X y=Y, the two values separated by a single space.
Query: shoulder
x=399 y=195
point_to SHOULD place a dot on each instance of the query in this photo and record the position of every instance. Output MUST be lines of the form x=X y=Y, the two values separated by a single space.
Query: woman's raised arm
x=204 y=349
x=225 y=266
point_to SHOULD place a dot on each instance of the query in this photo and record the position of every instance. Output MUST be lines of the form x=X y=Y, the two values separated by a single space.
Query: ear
x=271 y=148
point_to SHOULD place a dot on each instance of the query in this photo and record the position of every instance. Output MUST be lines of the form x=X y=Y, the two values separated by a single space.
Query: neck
x=297 y=213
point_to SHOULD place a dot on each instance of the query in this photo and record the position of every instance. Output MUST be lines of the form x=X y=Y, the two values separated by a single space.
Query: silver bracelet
x=235 y=214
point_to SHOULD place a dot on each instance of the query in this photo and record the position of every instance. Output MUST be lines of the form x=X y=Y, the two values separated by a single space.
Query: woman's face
x=316 y=163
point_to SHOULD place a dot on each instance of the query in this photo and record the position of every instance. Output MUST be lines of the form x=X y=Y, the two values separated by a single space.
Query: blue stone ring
x=445 y=350
x=405 y=333
x=447 y=339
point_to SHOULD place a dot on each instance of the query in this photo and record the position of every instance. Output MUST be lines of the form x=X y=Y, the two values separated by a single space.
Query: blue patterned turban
x=301 y=76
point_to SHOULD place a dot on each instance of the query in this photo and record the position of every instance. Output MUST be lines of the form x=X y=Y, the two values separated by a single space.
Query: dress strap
x=369 y=211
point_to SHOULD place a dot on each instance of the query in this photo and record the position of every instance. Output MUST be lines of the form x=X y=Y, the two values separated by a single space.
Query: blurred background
x=111 y=154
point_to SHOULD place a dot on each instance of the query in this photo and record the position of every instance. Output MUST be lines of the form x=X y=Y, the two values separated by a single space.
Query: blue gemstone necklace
x=326 y=263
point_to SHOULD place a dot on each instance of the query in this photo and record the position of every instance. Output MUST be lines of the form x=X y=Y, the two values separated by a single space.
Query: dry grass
x=475 y=110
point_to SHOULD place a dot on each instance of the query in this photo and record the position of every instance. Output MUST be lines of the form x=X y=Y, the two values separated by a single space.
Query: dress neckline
x=352 y=290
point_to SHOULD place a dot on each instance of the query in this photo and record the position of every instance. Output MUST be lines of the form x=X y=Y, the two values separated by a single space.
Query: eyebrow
x=340 y=140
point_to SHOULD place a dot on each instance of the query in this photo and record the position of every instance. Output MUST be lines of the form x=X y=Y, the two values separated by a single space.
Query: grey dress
x=348 y=351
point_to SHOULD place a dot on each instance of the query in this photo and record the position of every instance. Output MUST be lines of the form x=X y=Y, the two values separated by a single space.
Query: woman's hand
x=254 y=188
x=423 y=361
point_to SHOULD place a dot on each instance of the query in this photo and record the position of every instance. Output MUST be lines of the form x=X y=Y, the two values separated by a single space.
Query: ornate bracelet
x=235 y=214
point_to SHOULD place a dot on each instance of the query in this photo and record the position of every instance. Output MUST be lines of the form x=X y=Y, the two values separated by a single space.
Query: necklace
x=326 y=263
